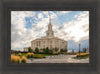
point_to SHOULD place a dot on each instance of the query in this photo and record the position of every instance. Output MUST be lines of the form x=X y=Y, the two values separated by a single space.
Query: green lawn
x=25 y=54
x=46 y=55
x=82 y=57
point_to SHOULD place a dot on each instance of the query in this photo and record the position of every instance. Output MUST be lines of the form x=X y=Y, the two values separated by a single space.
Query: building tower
x=49 y=32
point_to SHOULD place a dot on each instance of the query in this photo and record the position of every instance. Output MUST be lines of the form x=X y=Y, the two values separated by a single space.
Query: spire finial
x=49 y=18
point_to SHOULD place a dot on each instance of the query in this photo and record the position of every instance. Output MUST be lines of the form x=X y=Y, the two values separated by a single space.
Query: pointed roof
x=49 y=18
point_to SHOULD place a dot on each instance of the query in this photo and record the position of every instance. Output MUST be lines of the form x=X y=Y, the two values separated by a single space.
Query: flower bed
x=24 y=59
x=18 y=59
x=82 y=54
x=20 y=54
x=30 y=55
x=15 y=59
x=55 y=53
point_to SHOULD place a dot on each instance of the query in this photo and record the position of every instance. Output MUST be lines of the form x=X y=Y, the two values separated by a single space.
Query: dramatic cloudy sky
x=72 y=26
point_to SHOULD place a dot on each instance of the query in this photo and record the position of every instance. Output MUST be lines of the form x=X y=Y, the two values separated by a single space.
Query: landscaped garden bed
x=82 y=55
x=18 y=59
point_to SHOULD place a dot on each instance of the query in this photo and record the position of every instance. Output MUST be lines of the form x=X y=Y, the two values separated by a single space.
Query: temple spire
x=49 y=25
x=49 y=18
x=49 y=31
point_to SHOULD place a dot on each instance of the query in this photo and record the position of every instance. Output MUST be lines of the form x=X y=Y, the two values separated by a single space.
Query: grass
x=35 y=55
x=39 y=56
x=30 y=55
x=25 y=54
x=82 y=57
x=46 y=55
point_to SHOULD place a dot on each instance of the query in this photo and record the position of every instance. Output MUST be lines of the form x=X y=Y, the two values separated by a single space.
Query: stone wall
x=51 y=43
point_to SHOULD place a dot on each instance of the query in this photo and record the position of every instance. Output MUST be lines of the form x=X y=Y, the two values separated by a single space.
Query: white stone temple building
x=49 y=40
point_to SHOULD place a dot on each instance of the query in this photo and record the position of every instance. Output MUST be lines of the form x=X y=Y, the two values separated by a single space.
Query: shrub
x=55 y=53
x=64 y=53
x=29 y=49
x=24 y=59
x=63 y=50
x=50 y=51
x=82 y=54
x=18 y=59
x=38 y=56
x=44 y=50
x=36 y=50
x=19 y=54
x=30 y=55
x=84 y=50
x=56 y=49
x=47 y=50
x=15 y=59
x=71 y=53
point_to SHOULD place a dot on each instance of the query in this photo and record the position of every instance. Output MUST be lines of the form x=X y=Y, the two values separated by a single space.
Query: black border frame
x=47 y=68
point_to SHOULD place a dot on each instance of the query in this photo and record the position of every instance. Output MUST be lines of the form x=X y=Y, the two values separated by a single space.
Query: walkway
x=59 y=59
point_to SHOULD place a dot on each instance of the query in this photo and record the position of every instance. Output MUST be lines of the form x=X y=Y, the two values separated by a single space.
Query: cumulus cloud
x=63 y=12
x=75 y=29
x=19 y=34
x=40 y=15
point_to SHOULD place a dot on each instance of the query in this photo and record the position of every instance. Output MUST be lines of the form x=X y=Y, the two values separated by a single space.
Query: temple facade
x=49 y=41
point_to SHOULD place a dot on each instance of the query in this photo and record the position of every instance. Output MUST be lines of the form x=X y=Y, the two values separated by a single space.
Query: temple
x=49 y=41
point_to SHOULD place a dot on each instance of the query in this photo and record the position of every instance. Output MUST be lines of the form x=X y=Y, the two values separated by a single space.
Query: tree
x=29 y=49
x=36 y=50
x=73 y=51
x=44 y=50
x=56 y=49
x=63 y=50
x=47 y=50
x=50 y=51
x=13 y=51
x=84 y=50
